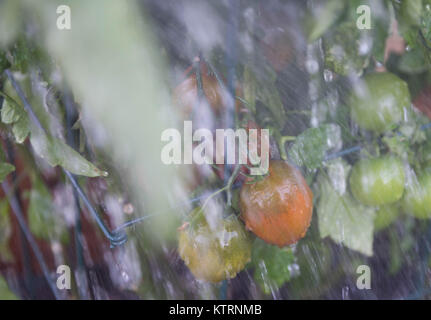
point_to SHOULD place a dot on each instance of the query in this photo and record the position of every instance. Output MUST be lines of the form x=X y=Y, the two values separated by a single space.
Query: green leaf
x=21 y=129
x=269 y=95
x=322 y=17
x=414 y=61
x=380 y=34
x=56 y=152
x=311 y=146
x=344 y=53
x=43 y=218
x=52 y=149
x=344 y=219
x=9 y=24
x=5 y=292
x=11 y=112
x=4 y=63
x=272 y=265
x=409 y=13
x=40 y=211
x=264 y=88
x=5 y=169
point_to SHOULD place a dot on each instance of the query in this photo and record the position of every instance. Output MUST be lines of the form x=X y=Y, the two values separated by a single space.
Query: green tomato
x=385 y=215
x=215 y=249
x=417 y=199
x=378 y=181
x=378 y=102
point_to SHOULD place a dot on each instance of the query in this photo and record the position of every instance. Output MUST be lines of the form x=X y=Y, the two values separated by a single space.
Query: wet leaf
x=347 y=49
x=11 y=112
x=344 y=219
x=21 y=129
x=272 y=265
x=311 y=146
x=56 y=152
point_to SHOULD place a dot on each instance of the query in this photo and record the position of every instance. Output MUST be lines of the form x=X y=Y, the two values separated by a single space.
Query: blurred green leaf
x=9 y=24
x=41 y=211
x=11 y=111
x=311 y=146
x=52 y=149
x=21 y=129
x=56 y=152
x=409 y=13
x=4 y=63
x=344 y=219
x=413 y=61
x=347 y=49
x=43 y=219
x=263 y=88
x=322 y=17
x=272 y=265
x=5 y=169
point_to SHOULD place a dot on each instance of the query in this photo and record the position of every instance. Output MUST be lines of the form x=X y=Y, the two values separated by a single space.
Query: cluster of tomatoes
x=378 y=105
x=277 y=207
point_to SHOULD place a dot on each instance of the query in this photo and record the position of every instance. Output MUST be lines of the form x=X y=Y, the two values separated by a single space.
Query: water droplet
x=328 y=75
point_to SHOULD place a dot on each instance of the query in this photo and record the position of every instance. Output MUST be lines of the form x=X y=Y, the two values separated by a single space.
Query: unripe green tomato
x=385 y=215
x=378 y=181
x=417 y=198
x=378 y=102
x=215 y=250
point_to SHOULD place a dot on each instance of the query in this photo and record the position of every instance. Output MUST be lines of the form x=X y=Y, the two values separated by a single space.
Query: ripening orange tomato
x=185 y=95
x=278 y=208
